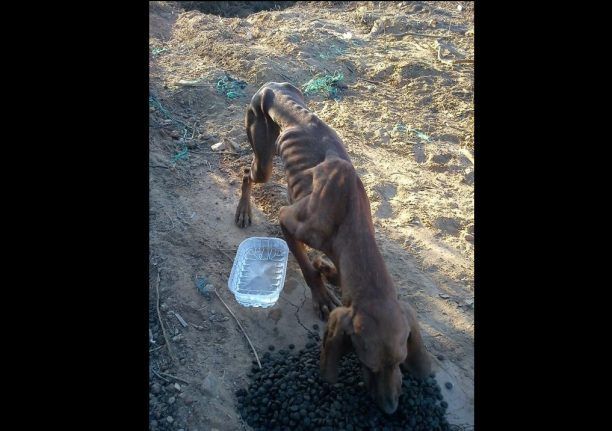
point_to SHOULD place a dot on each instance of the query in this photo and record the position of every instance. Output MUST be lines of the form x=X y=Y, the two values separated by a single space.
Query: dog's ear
x=336 y=341
x=418 y=361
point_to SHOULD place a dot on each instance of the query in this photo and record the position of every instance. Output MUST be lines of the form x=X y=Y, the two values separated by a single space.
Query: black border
x=105 y=359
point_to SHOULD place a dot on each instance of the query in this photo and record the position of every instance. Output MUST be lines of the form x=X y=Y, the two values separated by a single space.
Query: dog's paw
x=324 y=301
x=243 y=214
x=327 y=269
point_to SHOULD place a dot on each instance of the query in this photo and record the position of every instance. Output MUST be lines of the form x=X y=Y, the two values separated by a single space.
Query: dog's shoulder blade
x=335 y=169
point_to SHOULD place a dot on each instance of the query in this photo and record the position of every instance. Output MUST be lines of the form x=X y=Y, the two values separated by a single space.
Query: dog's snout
x=389 y=404
x=385 y=388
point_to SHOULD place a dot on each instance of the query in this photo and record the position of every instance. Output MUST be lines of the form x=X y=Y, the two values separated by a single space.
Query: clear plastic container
x=258 y=273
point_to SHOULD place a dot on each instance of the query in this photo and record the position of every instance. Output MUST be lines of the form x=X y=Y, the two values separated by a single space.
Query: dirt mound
x=239 y=9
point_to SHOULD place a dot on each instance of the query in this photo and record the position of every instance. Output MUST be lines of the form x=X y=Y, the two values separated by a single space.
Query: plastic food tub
x=258 y=273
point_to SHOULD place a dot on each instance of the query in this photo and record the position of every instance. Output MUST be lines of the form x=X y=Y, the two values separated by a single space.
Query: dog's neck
x=362 y=268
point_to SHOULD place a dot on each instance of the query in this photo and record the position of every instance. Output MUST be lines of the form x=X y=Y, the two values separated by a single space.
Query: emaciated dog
x=330 y=212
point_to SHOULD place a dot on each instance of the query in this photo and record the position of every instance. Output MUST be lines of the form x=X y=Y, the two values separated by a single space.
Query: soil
x=406 y=116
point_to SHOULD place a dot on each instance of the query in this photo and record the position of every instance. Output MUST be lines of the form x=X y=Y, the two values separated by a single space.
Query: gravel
x=289 y=394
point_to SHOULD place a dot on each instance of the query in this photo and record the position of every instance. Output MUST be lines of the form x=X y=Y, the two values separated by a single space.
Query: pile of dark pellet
x=288 y=393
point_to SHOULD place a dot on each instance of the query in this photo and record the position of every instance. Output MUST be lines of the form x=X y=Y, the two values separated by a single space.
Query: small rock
x=176 y=338
x=440 y=357
x=441 y=159
x=156 y=388
x=170 y=419
x=163 y=307
x=448 y=225
x=210 y=385
x=218 y=146
x=468 y=177
x=469 y=302
x=177 y=387
x=443 y=295
x=459 y=8
x=175 y=134
x=226 y=144
x=382 y=135
x=469 y=238
x=171 y=400
x=419 y=153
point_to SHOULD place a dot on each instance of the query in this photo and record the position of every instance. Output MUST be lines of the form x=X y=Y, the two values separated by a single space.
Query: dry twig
x=174 y=377
x=161 y=322
x=243 y=331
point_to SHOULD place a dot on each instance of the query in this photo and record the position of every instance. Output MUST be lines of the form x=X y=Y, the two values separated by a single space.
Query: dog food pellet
x=448 y=385
x=271 y=347
x=292 y=346
x=289 y=393
x=315 y=327
x=440 y=357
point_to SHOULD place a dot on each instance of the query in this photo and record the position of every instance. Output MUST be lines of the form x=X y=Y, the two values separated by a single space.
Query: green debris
x=184 y=153
x=157 y=51
x=332 y=52
x=327 y=84
x=399 y=127
x=230 y=87
x=421 y=135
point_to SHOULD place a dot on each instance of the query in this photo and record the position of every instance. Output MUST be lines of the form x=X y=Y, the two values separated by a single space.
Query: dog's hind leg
x=327 y=269
x=323 y=300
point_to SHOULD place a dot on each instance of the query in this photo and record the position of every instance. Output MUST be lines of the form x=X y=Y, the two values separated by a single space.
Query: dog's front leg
x=243 y=211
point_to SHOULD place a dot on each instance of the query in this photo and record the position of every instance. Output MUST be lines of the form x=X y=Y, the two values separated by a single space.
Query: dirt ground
x=406 y=117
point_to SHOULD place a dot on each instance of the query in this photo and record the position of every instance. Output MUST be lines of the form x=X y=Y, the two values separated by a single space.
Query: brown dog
x=330 y=212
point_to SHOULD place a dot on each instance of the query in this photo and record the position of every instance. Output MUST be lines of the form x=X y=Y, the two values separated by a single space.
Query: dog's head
x=384 y=338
